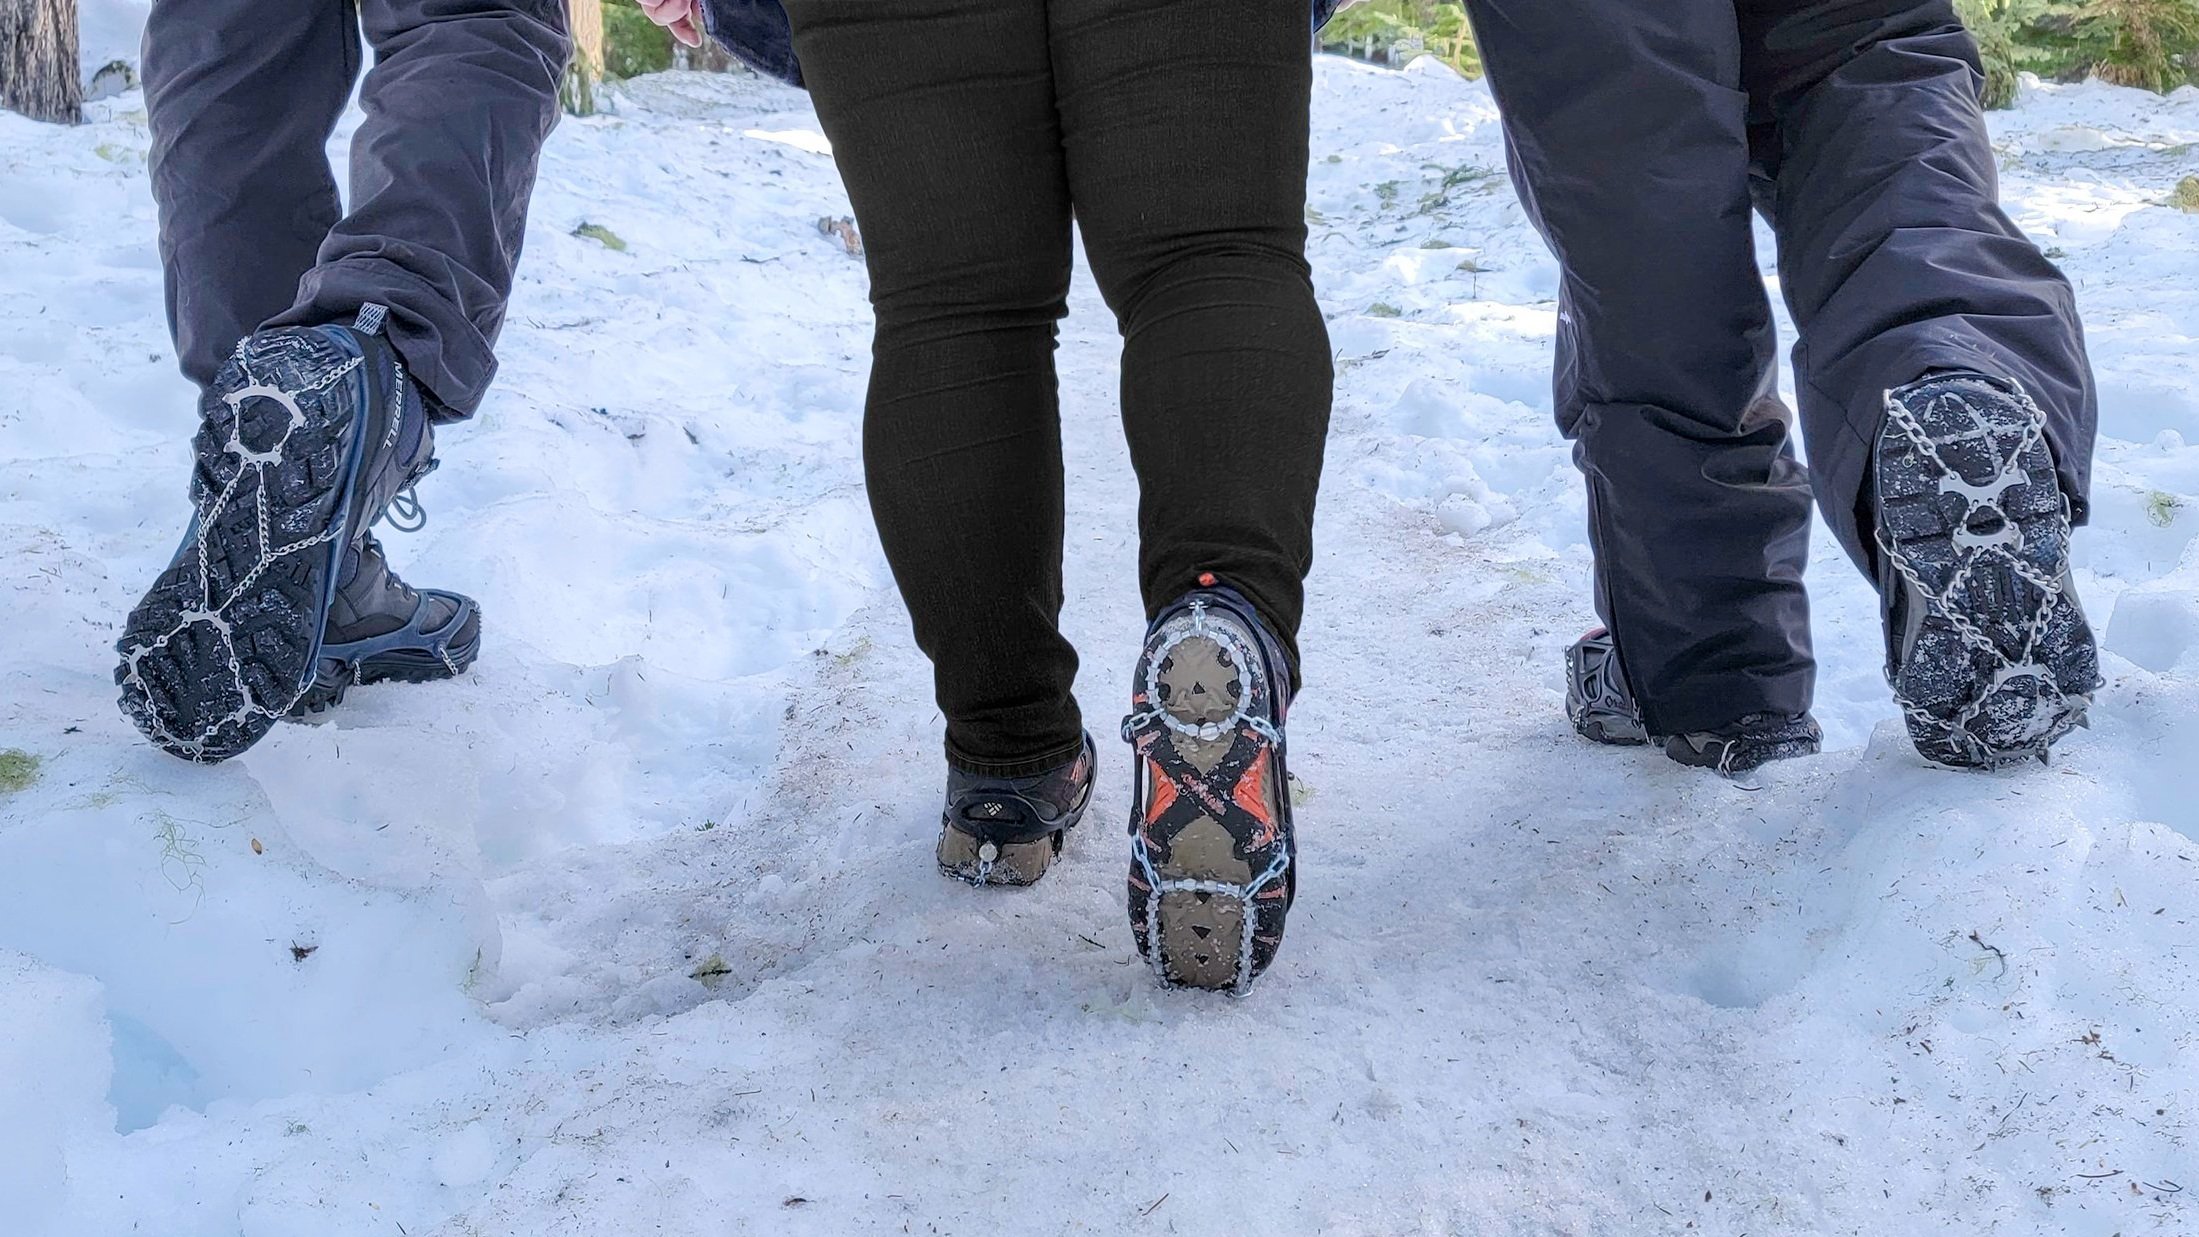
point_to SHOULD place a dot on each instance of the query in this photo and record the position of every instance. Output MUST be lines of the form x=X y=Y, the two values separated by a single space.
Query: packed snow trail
x=636 y=929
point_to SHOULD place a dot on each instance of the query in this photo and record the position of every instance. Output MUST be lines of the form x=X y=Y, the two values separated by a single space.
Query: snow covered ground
x=636 y=929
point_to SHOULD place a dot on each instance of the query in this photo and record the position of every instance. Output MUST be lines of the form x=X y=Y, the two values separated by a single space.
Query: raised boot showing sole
x=310 y=433
x=1988 y=650
x=1213 y=853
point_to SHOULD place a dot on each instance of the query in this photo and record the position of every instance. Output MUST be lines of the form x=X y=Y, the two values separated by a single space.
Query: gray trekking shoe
x=1009 y=830
x=1987 y=649
x=310 y=435
x=1602 y=709
x=1213 y=853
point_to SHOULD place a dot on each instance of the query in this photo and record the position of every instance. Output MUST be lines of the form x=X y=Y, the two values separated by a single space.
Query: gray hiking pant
x=242 y=96
x=1642 y=132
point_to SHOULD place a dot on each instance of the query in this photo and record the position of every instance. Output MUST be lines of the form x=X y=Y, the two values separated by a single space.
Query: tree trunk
x=39 y=76
x=586 y=69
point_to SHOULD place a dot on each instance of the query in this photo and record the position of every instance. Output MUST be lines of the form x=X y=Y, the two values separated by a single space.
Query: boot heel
x=1009 y=830
x=1203 y=942
x=968 y=858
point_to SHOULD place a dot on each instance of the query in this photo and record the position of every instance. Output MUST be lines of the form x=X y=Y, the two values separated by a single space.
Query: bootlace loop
x=406 y=515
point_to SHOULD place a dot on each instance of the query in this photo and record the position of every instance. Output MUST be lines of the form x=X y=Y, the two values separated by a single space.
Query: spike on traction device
x=1988 y=650
x=1212 y=871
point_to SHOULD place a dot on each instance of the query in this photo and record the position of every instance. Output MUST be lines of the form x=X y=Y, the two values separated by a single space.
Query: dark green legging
x=969 y=133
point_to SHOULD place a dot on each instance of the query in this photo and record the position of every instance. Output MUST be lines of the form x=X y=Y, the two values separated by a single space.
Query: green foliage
x=2150 y=44
x=1464 y=176
x=602 y=236
x=18 y=769
x=2153 y=44
x=632 y=44
x=1398 y=31
x=2024 y=36
x=1995 y=26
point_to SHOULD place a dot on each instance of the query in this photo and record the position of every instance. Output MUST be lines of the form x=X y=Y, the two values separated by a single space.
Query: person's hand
x=682 y=17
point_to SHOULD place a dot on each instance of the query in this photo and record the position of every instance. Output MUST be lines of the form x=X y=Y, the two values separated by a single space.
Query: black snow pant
x=242 y=96
x=1173 y=132
x=1642 y=131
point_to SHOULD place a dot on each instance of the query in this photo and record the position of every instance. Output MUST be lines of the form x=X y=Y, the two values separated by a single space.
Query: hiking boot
x=309 y=434
x=381 y=629
x=1597 y=699
x=1987 y=648
x=1008 y=830
x=1602 y=709
x=1212 y=870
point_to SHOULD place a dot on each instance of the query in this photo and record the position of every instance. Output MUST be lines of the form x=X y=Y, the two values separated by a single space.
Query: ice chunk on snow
x=53 y=1074
x=2156 y=624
